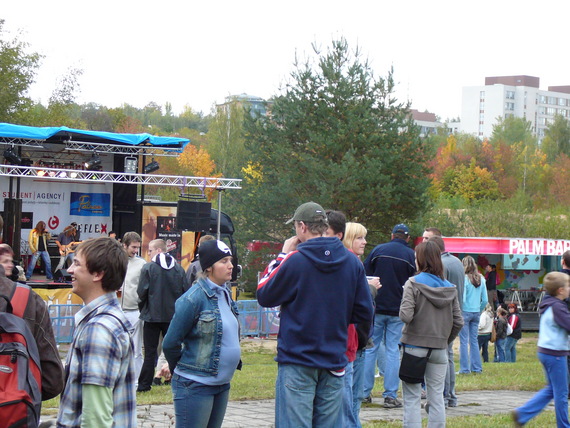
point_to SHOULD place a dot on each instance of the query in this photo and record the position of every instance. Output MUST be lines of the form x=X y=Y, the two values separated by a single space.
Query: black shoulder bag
x=413 y=368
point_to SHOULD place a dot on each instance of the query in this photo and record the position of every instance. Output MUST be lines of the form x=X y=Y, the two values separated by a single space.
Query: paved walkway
x=253 y=414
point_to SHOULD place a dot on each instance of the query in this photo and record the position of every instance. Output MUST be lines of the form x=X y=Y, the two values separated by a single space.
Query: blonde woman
x=38 y=246
x=355 y=241
x=474 y=302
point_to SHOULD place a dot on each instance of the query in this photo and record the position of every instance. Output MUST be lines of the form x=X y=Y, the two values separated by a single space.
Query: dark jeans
x=151 y=335
x=483 y=340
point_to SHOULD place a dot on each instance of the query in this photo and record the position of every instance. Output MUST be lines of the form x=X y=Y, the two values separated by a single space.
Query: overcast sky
x=197 y=53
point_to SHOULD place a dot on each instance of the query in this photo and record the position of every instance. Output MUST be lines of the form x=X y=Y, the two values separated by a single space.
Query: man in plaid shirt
x=100 y=380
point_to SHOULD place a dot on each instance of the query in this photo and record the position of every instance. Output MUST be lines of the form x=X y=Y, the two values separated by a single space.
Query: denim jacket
x=197 y=325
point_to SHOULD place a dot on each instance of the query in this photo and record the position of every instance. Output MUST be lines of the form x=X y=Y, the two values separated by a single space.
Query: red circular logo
x=53 y=222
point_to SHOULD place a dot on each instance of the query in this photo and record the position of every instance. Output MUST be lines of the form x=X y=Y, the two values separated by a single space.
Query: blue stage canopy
x=62 y=134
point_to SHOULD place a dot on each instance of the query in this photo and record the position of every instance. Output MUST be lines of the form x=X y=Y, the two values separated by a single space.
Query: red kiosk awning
x=527 y=246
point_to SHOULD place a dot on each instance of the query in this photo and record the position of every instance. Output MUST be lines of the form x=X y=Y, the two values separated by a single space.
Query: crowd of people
x=339 y=316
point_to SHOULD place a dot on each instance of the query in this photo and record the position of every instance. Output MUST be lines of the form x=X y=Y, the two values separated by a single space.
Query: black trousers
x=151 y=336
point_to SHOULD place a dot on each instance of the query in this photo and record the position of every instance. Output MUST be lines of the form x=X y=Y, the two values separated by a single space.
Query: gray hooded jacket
x=431 y=313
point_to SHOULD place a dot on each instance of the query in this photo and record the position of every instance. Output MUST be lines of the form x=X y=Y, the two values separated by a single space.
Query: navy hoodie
x=394 y=262
x=321 y=288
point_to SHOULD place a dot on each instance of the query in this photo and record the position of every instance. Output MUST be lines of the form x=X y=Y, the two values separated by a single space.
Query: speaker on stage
x=193 y=216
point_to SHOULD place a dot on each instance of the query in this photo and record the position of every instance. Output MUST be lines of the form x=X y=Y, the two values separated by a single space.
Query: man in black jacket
x=161 y=282
x=394 y=262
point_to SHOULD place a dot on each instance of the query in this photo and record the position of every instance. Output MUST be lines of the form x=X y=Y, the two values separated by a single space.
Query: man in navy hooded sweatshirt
x=321 y=288
x=394 y=262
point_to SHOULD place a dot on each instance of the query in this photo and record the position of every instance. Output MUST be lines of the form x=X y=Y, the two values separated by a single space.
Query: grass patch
x=545 y=419
x=256 y=380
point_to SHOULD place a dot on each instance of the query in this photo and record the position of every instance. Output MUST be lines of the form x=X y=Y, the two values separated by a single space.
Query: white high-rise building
x=518 y=96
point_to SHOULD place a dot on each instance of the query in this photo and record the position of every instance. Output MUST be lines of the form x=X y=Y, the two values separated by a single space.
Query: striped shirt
x=101 y=354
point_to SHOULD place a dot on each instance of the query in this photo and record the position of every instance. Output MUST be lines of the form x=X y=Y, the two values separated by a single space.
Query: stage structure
x=71 y=162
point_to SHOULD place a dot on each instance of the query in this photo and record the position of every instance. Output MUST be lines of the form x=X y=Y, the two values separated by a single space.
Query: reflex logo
x=6 y=369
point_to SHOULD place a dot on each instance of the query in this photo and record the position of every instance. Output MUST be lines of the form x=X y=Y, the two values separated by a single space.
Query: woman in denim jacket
x=202 y=342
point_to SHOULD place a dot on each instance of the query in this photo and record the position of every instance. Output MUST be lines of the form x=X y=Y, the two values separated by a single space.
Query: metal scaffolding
x=59 y=174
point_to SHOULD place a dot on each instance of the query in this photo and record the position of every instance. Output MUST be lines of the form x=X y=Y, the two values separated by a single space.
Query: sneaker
x=157 y=381
x=392 y=403
x=426 y=407
x=367 y=400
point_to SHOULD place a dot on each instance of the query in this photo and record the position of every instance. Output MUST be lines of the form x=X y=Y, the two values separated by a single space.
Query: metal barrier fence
x=63 y=321
x=257 y=321
x=254 y=320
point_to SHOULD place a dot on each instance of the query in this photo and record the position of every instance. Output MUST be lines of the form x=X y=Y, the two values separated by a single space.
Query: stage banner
x=59 y=203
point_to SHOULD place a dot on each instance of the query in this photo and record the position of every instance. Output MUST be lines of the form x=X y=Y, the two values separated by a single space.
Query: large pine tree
x=337 y=136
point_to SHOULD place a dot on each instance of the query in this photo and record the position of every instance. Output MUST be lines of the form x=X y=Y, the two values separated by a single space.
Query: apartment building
x=518 y=96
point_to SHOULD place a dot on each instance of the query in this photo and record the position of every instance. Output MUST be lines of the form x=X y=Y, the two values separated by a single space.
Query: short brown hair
x=553 y=281
x=428 y=258
x=315 y=227
x=108 y=256
x=566 y=258
x=439 y=241
x=434 y=230
x=6 y=249
x=130 y=237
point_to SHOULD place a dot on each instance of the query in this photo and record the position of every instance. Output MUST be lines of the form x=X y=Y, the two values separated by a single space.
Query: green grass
x=545 y=419
x=256 y=380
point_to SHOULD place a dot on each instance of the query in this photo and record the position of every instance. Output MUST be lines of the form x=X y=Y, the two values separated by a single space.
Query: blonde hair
x=353 y=231
x=553 y=281
x=471 y=271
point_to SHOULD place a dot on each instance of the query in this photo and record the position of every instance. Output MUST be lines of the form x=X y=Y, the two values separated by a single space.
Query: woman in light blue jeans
x=474 y=302
x=432 y=319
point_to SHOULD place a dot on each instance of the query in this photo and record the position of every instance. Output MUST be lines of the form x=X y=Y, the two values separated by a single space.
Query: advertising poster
x=159 y=222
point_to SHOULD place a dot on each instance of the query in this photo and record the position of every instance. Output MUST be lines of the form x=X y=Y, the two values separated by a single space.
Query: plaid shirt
x=101 y=354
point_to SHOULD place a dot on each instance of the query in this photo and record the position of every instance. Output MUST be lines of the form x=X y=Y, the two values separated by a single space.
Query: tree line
x=334 y=133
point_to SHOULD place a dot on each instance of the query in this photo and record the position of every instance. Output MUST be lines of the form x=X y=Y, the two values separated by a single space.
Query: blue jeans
x=346 y=418
x=306 y=397
x=32 y=265
x=381 y=356
x=469 y=357
x=510 y=350
x=390 y=327
x=198 y=405
x=500 y=351
x=358 y=385
x=556 y=372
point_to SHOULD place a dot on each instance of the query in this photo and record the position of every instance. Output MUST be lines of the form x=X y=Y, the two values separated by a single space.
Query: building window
x=509 y=106
x=550 y=111
x=552 y=101
x=542 y=99
x=542 y=110
x=510 y=95
x=561 y=102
